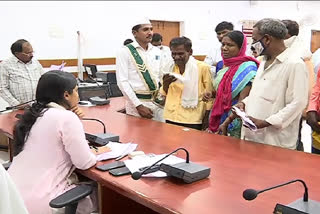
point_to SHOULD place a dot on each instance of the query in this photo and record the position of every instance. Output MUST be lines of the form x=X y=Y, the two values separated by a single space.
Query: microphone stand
x=187 y=171
x=300 y=206
x=101 y=139
x=305 y=195
x=16 y=106
x=137 y=175
x=93 y=119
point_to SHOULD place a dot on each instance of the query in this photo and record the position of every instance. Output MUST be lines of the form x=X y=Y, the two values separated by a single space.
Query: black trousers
x=192 y=126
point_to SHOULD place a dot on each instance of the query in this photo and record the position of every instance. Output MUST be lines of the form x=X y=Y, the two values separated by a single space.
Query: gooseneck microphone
x=250 y=194
x=93 y=119
x=17 y=106
x=137 y=175
x=101 y=139
x=95 y=81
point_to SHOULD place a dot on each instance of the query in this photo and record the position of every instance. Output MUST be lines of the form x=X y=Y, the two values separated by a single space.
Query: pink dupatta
x=223 y=96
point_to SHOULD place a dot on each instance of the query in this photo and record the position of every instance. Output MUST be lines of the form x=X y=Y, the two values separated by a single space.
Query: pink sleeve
x=314 y=97
x=75 y=143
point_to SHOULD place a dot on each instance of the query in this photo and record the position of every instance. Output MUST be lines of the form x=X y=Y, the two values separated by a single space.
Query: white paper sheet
x=147 y=160
x=117 y=150
x=245 y=119
x=178 y=76
x=58 y=67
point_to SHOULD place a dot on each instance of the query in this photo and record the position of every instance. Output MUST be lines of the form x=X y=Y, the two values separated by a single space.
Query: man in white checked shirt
x=19 y=74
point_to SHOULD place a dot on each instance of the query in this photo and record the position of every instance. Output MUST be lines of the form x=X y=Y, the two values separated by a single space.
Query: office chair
x=113 y=90
x=69 y=199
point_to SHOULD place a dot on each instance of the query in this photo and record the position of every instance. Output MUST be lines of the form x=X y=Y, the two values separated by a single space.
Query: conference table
x=235 y=166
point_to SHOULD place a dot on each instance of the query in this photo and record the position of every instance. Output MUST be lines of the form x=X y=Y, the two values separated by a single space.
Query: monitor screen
x=91 y=70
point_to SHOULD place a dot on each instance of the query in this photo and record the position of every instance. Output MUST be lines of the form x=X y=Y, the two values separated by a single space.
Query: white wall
x=51 y=26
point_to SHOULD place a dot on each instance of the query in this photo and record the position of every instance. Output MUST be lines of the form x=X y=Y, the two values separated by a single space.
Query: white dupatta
x=190 y=81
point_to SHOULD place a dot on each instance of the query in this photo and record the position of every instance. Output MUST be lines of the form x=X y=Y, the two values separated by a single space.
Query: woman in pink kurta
x=47 y=152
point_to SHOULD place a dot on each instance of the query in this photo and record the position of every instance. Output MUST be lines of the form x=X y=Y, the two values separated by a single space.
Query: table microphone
x=94 y=119
x=16 y=106
x=137 y=175
x=95 y=81
x=300 y=206
x=101 y=139
x=250 y=194
x=187 y=171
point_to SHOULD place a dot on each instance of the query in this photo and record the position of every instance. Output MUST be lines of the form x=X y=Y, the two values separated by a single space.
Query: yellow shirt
x=173 y=109
x=315 y=140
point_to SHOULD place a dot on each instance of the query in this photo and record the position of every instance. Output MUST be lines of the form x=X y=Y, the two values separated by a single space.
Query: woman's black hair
x=236 y=36
x=51 y=88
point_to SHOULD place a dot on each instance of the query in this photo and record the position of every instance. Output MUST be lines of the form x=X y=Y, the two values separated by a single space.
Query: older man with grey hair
x=279 y=91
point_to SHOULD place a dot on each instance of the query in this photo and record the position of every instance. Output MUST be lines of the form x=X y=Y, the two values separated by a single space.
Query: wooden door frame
x=313 y=30
x=181 y=24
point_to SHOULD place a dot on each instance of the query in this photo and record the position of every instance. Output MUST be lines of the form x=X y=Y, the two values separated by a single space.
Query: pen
x=120 y=157
x=95 y=148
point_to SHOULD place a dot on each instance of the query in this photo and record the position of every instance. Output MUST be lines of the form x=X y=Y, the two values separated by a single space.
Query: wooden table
x=235 y=166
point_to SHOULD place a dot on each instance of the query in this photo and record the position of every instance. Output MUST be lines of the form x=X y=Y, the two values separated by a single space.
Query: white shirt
x=278 y=95
x=213 y=58
x=166 y=60
x=298 y=47
x=19 y=80
x=128 y=78
x=11 y=201
x=316 y=60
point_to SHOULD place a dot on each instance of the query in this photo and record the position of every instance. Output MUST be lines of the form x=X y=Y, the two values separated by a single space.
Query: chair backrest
x=12 y=203
x=113 y=90
x=111 y=77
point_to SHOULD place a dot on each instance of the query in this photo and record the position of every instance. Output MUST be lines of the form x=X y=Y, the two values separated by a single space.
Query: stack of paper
x=58 y=67
x=117 y=150
x=147 y=160
x=246 y=122
x=178 y=76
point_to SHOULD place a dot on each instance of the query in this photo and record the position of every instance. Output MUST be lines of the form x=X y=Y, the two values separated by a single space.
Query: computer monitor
x=91 y=70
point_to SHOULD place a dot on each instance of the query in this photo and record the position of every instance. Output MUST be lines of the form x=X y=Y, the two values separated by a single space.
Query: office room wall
x=51 y=26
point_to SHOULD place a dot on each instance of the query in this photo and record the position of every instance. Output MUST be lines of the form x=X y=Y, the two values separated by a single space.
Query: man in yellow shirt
x=184 y=84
